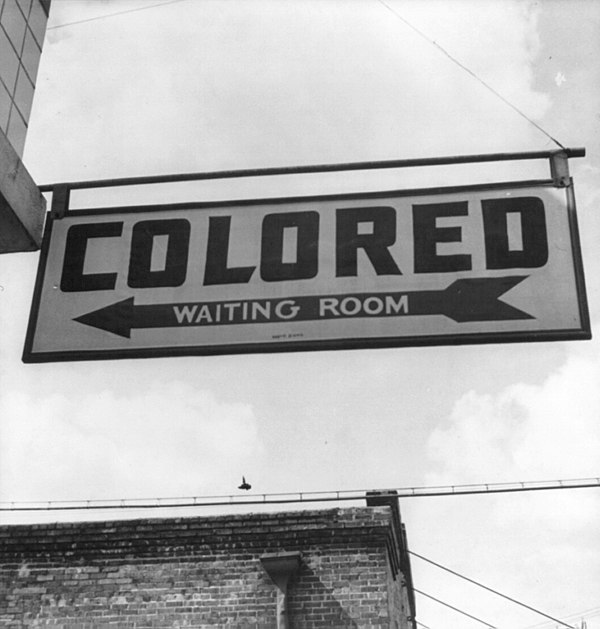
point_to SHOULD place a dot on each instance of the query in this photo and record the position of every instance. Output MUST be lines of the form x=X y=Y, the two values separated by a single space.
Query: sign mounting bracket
x=61 y=194
x=559 y=169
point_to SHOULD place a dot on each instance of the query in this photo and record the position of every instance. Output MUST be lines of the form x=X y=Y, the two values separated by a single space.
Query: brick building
x=22 y=30
x=342 y=567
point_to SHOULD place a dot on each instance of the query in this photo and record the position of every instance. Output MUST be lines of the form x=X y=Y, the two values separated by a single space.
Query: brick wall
x=204 y=572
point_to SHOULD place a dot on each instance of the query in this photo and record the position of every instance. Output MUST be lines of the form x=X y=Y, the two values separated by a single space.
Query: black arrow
x=120 y=317
x=465 y=300
x=473 y=299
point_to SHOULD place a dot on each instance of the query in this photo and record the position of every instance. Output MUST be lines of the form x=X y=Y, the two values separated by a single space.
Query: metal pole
x=318 y=168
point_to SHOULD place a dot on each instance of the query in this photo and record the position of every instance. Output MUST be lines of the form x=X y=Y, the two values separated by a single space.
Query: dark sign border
x=582 y=333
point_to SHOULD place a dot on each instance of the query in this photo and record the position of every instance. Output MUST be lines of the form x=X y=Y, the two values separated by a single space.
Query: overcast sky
x=196 y=85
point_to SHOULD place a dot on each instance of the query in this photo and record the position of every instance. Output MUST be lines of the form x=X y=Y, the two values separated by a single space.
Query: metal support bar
x=318 y=168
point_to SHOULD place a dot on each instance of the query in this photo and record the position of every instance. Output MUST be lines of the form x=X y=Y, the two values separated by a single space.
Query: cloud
x=548 y=431
x=526 y=431
x=173 y=439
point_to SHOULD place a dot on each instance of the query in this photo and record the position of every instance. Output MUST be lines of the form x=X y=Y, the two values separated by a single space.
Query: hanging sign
x=460 y=265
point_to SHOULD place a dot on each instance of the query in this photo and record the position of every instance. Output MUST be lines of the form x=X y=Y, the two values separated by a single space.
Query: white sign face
x=462 y=265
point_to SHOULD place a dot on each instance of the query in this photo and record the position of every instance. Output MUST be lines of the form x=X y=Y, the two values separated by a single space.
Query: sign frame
x=581 y=333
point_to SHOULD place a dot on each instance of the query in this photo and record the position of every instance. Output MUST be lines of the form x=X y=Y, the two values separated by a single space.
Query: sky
x=188 y=86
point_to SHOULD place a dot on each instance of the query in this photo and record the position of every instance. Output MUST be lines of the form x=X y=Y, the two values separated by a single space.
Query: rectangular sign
x=457 y=265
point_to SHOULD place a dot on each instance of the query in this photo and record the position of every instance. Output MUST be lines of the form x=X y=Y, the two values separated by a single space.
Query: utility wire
x=584 y=615
x=533 y=609
x=297 y=497
x=389 y=8
x=102 y=17
x=460 y=611
x=468 y=71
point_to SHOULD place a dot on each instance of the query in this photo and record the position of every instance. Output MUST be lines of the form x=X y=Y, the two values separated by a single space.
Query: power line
x=460 y=611
x=297 y=497
x=389 y=8
x=583 y=615
x=102 y=17
x=468 y=71
x=533 y=609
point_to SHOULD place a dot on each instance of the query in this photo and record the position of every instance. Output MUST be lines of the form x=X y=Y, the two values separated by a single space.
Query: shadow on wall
x=311 y=603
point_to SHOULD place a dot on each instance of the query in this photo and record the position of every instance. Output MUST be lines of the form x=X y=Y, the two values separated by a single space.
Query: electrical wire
x=485 y=587
x=460 y=611
x=583 y=615
x=468 y=71
x=389 y=8
x=297 y=497
x=102 y=17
